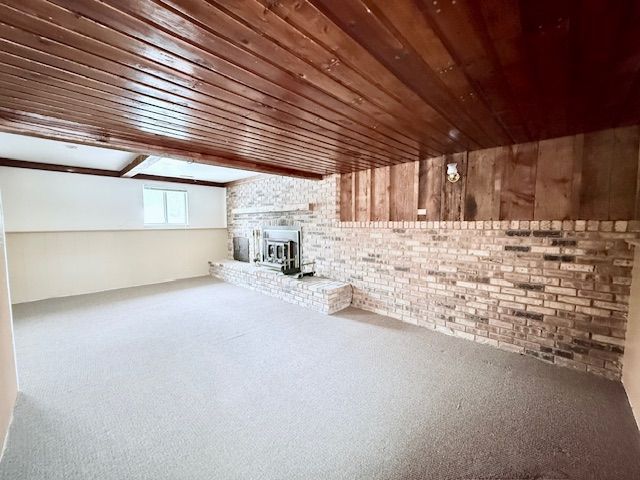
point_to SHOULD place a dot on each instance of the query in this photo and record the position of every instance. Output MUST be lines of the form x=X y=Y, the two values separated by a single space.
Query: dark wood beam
x=134 y=167
x=252 y=178
x=8 y=162
x=190 y=181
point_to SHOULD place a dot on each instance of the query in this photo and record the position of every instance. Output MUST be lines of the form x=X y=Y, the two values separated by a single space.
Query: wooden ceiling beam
x=188 y=181
x=9 y=162
x=138 y=165
x=51 y=167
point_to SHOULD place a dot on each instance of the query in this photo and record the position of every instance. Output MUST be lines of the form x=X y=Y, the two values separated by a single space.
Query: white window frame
x=164 y=191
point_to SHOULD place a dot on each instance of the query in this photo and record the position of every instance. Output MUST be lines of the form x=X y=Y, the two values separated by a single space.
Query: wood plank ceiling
x=315 y=87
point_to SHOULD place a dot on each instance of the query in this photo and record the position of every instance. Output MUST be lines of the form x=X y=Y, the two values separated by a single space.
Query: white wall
x=69 y=234
x=41 y=201
x=631 y=367
x=57 y=264
x=8 y=377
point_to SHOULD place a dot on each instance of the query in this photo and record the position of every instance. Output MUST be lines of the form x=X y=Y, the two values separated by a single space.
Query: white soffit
x=170 y=167
x=40 y=150
x=33 y=149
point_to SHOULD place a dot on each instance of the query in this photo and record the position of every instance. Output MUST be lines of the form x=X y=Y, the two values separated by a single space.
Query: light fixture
x=452 y=172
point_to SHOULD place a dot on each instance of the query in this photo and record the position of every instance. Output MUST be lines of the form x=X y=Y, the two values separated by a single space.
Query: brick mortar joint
x=608 y=226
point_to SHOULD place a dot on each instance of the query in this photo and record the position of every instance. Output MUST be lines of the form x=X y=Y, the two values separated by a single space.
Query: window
x=165 y=207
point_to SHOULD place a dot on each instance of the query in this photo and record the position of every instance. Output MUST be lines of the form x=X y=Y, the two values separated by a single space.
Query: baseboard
x=124 y=287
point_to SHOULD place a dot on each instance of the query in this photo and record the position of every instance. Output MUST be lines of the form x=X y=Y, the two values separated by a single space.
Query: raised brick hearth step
x=317 y=293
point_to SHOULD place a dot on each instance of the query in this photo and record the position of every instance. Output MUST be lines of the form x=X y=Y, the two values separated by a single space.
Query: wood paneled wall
x=588 y=176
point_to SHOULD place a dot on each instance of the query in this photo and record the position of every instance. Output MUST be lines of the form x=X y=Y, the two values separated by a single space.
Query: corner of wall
x=631 y=365
x=8 y=373
x=5 y=439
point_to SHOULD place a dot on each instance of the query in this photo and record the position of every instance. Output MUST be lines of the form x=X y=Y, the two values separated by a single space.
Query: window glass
x=176 y=207
x=165 y=207
x=154 y=206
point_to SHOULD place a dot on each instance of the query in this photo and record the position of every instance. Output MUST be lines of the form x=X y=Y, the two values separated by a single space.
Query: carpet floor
x=200 y=379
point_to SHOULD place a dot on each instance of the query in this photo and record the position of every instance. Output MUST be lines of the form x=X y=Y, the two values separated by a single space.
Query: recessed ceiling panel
x=40 y=150
x=169 y=167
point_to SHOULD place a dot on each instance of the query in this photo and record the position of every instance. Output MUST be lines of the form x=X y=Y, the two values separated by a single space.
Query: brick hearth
x=320 y=294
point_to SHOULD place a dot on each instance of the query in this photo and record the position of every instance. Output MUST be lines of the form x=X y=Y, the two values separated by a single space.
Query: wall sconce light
x=452 y=172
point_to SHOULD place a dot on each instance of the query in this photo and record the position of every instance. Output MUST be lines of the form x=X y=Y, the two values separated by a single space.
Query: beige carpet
x=200 y=380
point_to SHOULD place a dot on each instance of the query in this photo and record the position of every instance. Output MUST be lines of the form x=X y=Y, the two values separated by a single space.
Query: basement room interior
x=319 y=239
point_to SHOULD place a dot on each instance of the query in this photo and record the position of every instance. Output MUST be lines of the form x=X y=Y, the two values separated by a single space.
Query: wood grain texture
x=596 y=174
x=380 y=185
x=637 y=208
x=347 y=201
x=624 y=173
x=518 y=182
x=138 y=163
x=452 y=205
x=585 y=176
x=431 y=176
x=362 y=196
x=8 y=162
x=576 y=176
x=403 y=191
x=554 y=179
x=314 y=87
x=482 y=201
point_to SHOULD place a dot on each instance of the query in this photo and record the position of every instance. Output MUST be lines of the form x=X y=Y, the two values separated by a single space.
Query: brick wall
x=555 y=290
x=317 y=293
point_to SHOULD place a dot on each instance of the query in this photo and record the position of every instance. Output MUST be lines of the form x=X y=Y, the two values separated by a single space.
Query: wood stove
x=281 y=249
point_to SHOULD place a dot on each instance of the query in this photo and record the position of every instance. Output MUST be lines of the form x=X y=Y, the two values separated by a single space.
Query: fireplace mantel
x=294 y=207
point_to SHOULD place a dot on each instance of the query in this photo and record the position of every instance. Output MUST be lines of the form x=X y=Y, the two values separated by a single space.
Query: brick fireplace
x=554 y=290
